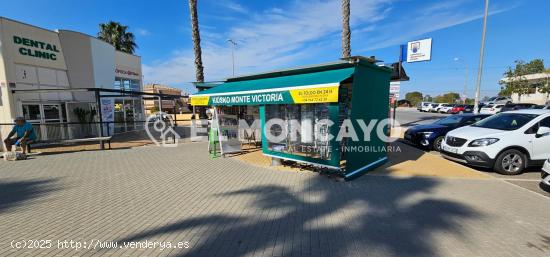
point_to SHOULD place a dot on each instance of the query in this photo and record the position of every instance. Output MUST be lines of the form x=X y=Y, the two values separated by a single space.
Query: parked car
x=507 y=142
x=545 y=176
x=430 y=136
x=515 y=107
x=446 y=108
x=491 y=109
x=461 y=108
x=436 y=107
x=426 y=106
x=498 y=100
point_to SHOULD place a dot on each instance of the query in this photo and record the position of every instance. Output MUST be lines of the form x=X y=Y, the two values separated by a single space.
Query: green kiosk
x=325 y=99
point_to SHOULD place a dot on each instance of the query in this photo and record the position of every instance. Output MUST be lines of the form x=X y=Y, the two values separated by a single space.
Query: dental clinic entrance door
x=46 y=119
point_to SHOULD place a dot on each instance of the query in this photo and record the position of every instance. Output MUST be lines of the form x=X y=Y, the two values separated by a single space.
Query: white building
x=41 y=72
x=534 y=96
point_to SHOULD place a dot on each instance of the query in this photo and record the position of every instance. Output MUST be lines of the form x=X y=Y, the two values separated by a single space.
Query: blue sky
x=278 y=34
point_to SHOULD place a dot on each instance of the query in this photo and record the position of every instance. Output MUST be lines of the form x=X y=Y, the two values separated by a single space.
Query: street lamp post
x=233 y=45
x=481 y=55
x=467 y=77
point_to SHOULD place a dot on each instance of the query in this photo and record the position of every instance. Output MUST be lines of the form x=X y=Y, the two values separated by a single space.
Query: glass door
x=119 y=116
x=46 y=120
x=52 y=117
x=129 y=114
x=32 y=114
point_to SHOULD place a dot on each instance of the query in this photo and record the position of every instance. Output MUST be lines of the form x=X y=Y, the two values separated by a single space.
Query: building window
x=31 y=112
x=117 y=83
x=134 y=85
x=127 y=84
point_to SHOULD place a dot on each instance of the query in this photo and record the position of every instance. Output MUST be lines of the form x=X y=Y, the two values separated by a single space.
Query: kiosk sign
x=327 y=94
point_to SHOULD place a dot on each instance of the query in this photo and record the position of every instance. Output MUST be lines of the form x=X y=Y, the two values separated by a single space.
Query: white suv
x=426 y=106
x=506 y=142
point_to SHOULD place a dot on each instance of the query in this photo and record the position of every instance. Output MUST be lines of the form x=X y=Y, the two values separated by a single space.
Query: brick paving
x=224 y=207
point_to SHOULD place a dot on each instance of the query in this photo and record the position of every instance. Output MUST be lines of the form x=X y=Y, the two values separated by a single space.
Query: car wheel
x=510 y=162
x=437 y=143
x=461 y=112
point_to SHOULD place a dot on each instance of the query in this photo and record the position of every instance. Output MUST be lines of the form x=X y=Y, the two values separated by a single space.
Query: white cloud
x=284 y=36
x=273 y=38
x=143 y=32
x=233 y=6
x=425 y=20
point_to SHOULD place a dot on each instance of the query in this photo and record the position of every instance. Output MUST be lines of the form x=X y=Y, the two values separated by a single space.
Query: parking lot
x=408 y=117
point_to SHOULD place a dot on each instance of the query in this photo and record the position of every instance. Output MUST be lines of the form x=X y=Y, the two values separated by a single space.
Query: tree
x=515 y=81
x=544 y=86
x=534 y=66
x=346 y=31
x=117 y=35
x=450 y=97
x=428 y=98
x=414 y=97
x=199 y=69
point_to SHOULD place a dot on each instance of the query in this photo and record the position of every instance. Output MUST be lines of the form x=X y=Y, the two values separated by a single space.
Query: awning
x=314 y=87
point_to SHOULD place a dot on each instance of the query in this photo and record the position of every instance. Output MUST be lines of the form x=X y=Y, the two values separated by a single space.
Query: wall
x=103 y=63
x=32 y=58
x=536 y=98
x=128 y=66
x=371 y=86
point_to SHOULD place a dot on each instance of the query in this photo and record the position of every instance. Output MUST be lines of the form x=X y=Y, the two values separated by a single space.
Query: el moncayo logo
x=43 y=50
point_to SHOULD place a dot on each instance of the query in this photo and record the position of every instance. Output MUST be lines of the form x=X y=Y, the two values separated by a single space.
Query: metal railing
x=59 y=131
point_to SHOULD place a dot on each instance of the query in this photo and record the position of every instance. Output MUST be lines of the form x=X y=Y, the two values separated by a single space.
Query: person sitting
x=24 y=135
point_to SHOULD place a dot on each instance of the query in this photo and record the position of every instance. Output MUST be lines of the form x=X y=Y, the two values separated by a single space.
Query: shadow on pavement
x=16 y=193
x=374 y=215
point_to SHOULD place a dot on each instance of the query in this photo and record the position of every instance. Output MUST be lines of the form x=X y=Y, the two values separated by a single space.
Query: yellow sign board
x=315 y=95
x=200 y=100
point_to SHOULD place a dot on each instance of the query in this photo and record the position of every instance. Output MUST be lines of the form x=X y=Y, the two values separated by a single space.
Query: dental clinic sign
x=419 y=50
x=35 y=48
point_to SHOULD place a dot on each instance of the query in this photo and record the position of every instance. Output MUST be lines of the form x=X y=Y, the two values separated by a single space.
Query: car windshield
x=505 y=121
x=450 y=121
x=489 y=106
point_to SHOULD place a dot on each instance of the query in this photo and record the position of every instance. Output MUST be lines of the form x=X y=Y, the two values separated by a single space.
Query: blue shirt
x=24 y=128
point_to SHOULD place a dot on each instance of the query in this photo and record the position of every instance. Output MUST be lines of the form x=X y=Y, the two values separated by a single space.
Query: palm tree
x=117 y=35
x=346 y=31
x=199 y=69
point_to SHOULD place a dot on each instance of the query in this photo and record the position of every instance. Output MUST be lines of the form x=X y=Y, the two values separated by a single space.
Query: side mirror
x=543 y=131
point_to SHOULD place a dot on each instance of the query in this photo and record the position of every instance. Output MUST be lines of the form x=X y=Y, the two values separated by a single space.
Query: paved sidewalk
x=224 y=207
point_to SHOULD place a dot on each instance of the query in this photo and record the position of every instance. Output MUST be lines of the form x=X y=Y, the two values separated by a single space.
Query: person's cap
x=19 y=118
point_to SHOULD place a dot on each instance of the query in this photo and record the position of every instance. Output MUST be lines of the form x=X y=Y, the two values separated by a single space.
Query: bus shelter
x=302 y=111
